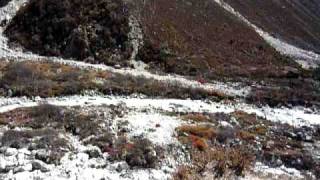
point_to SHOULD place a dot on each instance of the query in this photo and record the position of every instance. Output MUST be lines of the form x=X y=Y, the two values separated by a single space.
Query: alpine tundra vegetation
x=159 y=89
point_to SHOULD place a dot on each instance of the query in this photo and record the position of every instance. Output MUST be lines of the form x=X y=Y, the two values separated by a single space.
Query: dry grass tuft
x=197 y=117
x=203 y=131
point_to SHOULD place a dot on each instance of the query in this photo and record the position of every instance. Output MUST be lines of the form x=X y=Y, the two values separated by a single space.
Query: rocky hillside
x=159 y=89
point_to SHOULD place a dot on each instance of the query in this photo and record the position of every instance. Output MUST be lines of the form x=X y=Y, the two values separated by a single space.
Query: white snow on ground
x=261 y=171
x=156 y=127
x=76 y=164
x=6 y=14
x=307 y=59
x=296 y=116
x=9 y=11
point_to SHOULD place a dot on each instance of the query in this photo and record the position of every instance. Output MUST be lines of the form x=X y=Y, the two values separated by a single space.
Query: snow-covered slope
x=306 y=59
x=298 y=116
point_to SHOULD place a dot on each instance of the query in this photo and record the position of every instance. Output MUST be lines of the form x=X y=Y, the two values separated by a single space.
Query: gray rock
x=93 y=153
x=6 y=169
x=38 y=166
x=27 y=167
x=42 y=156
x=122 y=166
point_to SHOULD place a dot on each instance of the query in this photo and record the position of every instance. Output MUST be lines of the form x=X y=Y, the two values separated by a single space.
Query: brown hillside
x=194 y=37
x=295 y=21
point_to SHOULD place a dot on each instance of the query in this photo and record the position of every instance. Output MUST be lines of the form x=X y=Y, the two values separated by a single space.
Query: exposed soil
x=200 y=38
x=92 y=30
x=297 y=22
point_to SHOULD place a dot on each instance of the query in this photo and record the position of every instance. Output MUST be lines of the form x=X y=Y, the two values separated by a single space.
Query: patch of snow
x=297 y=116
x=6 y=14
x=307 y=59
x=9 y=11
x=77 y=165
x=261 y=171
x=158 y=128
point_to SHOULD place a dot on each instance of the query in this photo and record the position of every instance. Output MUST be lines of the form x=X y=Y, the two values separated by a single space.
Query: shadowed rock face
x=90 y=30
x=4 y=2
x=295 y=21
x=199 y=37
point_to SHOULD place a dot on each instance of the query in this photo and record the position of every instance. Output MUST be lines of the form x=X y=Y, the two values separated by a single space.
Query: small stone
x=279 y=162
x=308 y=138
x=38 y=166
x=225 y=124
x=3 y=164
x=122 y=166
x=93 y=153
x=3 y=149
x=42 y=156
x=27 y=167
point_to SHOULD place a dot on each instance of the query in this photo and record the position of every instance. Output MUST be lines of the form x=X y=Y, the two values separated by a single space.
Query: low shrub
x=139 y=153
x=142 y=154
x=49 y=79
x=16 y=139
x=246 y=136
x=225 y=134
x=197 y=142
x=196 y=117
x=316 y=73
x=44 y=115
x=186 y=173
x=82 y=125
x=44 y=79
x=50 y=116
x=39 y=139
x=203 y=131
x=237 y=160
